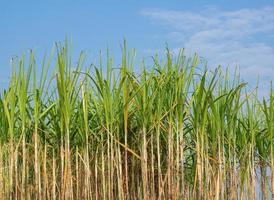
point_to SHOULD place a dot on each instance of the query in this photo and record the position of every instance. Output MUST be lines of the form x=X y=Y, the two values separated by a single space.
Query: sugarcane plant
x=173 y=129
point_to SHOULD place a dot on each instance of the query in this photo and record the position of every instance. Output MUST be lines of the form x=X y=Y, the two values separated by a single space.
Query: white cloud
x=230 y=38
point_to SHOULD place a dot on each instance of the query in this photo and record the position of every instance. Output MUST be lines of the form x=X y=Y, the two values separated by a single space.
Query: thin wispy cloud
x=231 y=38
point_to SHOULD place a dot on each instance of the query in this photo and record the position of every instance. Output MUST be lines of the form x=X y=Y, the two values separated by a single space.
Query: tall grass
x=171 y=131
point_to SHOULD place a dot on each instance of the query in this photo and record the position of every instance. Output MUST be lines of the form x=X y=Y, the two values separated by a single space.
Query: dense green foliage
x=174 y=131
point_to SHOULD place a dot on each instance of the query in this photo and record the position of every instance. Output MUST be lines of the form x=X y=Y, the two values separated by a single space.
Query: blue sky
x=230 y=33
